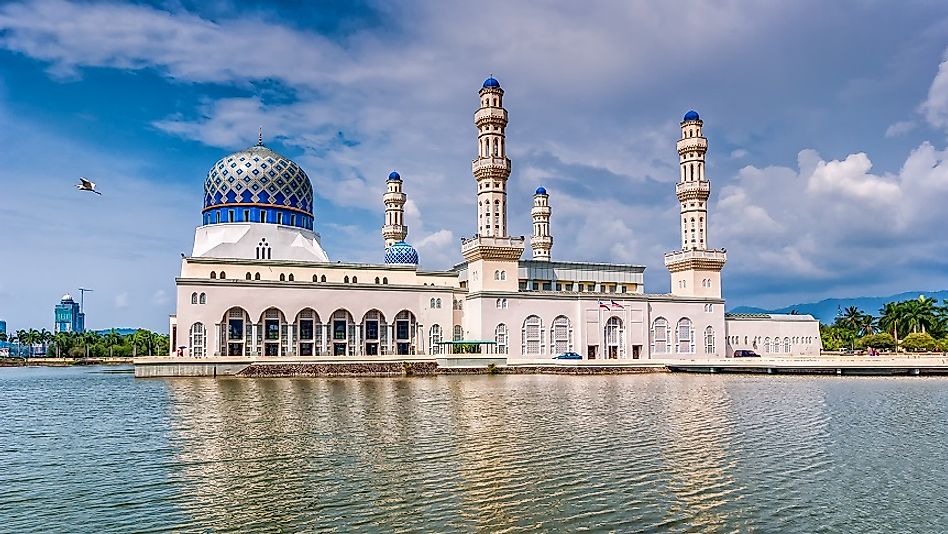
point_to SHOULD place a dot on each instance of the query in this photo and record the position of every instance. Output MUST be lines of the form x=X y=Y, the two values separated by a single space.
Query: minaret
x=491 y=168
x=491 y=255
x=394 y=229
x=542 y=241
x=695 y=269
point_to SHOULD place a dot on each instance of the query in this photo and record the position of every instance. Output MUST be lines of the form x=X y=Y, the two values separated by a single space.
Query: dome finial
x=260 y=136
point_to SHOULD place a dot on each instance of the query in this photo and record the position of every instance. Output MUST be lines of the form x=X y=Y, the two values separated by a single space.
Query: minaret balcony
x=395 y=231
x=690 y=144
x=490 y=166
x=681 y=260
x=694 y=190
x=492 y=248
x=492 y=115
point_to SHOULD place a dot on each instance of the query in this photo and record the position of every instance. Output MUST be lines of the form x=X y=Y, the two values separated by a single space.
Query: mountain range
x=827 y=309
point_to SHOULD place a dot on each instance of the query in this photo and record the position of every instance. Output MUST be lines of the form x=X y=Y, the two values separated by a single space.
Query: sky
x=827 y=126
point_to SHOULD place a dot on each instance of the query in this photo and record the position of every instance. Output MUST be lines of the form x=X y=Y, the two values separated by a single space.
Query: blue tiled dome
x=401 y=252
x=541 y=190
x=394 y=176
x=692 y=115
x=258 y=185
x=491 y=82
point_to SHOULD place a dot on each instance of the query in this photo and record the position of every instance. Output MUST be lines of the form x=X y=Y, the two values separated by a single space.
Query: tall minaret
x=695 y=269
x=394 y=229
x=491 y=255
x=491 y=168
x=542 y=241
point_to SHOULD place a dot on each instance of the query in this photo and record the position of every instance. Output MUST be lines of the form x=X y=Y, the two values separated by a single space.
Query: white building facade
x=259 y=284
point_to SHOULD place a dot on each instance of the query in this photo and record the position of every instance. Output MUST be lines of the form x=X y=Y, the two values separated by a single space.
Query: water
x=89 y=450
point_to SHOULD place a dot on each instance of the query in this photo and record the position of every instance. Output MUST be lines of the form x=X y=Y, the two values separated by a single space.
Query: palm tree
x=21 y=338
x=891 y=317
x=868 y=325
x=89 y=338
x=45 y=337
x=111 y=339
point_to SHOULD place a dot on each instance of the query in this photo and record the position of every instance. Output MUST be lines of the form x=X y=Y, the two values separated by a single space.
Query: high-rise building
x=69 y=316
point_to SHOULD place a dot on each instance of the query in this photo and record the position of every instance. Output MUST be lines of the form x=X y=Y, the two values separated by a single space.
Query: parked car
x=745 y=354
x=568 y=356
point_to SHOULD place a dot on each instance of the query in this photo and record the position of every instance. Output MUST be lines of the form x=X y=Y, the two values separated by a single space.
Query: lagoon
x=92 y=449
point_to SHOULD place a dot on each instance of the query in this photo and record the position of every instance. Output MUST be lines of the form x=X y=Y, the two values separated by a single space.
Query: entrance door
x=591 y=352
x=636 y=351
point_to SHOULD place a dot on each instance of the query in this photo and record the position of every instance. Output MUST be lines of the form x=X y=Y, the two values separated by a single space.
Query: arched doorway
x=275 y=334
x=615 y=338
x=343 y=333
x=374 y=333
x=310 y=332
x=405 y=326
x=235 y=333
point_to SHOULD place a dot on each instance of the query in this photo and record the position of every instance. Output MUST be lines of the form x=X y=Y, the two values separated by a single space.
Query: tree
x=851 y=318
x=3 y=337
x=112 y=338
x=919 y=341
x=877 y=341
x=890 y=319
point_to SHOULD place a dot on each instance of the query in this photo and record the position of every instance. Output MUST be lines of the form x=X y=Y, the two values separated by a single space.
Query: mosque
x=259 y=284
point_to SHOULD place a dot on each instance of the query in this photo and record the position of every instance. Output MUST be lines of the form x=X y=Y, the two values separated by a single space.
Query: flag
x=603 y=305
x=617 y=305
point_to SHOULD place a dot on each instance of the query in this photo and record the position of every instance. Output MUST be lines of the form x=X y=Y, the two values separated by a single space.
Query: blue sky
x=827 y=124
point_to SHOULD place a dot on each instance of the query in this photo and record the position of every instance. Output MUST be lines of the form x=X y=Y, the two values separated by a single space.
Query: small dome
x=401 y=252
x=541 y=190
x=692 y=115
x=491 y=82
x=67 y=297
x=394 y=176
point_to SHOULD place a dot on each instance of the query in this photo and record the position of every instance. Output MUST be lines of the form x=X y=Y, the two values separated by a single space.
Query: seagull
x=86 y=185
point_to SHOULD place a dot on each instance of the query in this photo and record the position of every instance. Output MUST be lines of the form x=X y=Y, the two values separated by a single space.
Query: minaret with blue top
x=695 y=269
x=542 y=241
x=394 y=231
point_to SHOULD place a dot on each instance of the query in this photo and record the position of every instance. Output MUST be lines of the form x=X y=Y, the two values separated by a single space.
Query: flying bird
x=86 y=185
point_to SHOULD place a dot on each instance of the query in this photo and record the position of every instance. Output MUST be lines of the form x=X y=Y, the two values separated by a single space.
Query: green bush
x=942 y=344
x=919 y=342
x=77 y=352
x=876 y=341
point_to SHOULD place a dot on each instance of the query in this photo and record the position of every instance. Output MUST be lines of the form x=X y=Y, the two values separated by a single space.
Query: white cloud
x=739 y=153
x=935 y=107
x=899 y=128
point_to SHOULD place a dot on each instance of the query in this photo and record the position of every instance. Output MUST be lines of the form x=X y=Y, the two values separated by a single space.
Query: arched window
x=322 y=278
x=561 y=335
x=256 y=276
x=384 y=279
x=197 y=340
x=213 y=275
x=786 y=345
x=496 y=275
x=203 y=298
x=458 y=333
x=684 y=336
x=222 y=275
x=660 y=336
x=615 y=338
x=532 y=336
x=194 y=298
x=498 y=303
x=709 y=340
x=438 y=303
x=291 y=277
x=346 y=279
x=431 y=303
x=434 y=339
x=247 y=276
x=377 y=280
x=766 y=345
x=282 y=277
x=500 y=337
x=503 y=275
x=315 y=278
x=503 y=303
x=355 y=279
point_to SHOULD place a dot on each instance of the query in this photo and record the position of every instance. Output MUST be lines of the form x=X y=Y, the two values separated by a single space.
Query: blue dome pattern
x=394 y=176
x=261 y=177
x=692 y=115
x=491 y=82
x=401 y=252
x=541 y=190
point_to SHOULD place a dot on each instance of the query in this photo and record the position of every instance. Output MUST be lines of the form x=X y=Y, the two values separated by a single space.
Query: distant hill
x=826 y=310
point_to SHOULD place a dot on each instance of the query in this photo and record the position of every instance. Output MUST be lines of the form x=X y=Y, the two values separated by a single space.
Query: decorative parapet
x=689 y=144
x=492 y=248
x=699 y=189
x=492 y=115
x=490 y=166
x=681 y=260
